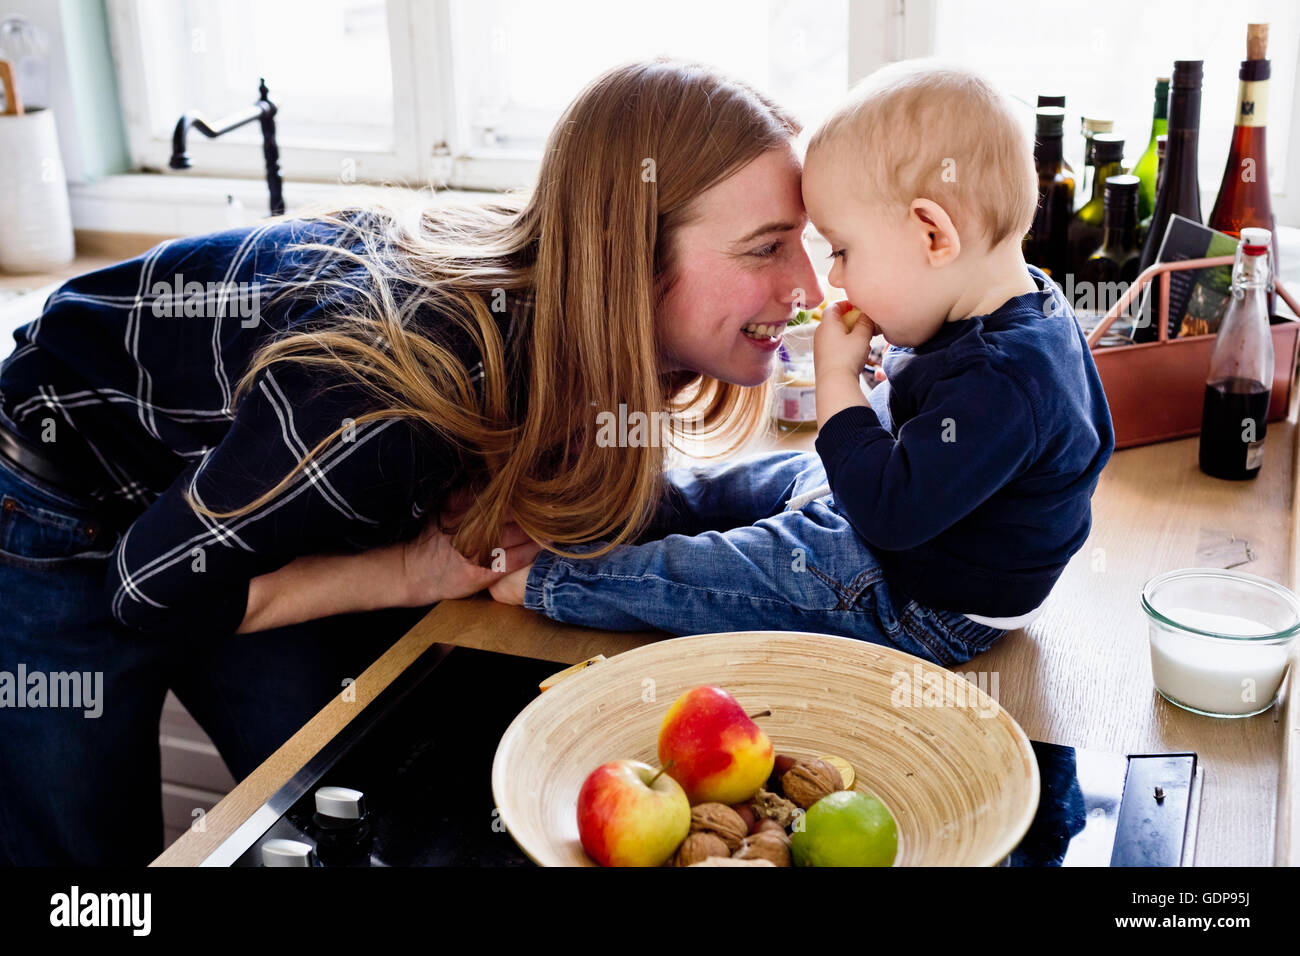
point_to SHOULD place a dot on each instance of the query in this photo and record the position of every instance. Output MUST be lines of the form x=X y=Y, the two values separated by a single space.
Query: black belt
x=70 y=473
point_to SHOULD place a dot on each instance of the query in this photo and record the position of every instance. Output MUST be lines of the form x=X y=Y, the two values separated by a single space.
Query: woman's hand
x=432 y=570
x=836 y=350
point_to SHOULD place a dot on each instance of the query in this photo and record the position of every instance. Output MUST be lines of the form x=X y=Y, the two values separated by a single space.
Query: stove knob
x=340 y=803
x=280 y=852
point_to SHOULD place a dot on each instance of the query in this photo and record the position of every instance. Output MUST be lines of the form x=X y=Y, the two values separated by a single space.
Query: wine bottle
x=1090 y=126
x=1046 y=245
x=1087 y=225
x=1180 y=192
x=1243 y=198
x=1144 y=225
x=1145 y=168
x=1055 y=100
x=1240 y=381
x=1106 y=274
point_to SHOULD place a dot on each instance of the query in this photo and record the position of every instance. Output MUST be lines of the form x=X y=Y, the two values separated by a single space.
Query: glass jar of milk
x=1221 y=640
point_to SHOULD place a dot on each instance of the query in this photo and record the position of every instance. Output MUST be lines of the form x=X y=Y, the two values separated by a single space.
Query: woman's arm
x=405 y=574
x=320 y=585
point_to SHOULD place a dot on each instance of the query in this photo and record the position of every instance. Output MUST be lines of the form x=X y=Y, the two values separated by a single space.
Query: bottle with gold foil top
x=1089 y=185
x=1243 y=199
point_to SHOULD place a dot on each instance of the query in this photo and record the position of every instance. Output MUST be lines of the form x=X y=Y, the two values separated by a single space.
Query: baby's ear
x=936 y=231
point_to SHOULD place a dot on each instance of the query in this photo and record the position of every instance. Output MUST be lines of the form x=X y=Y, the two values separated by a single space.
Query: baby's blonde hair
x=934 y=130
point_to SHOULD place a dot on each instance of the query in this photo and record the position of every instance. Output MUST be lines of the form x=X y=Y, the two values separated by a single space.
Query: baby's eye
x=767 y=251
x=836 y=254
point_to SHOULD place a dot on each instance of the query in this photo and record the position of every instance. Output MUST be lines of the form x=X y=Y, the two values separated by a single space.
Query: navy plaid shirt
x=138 y=371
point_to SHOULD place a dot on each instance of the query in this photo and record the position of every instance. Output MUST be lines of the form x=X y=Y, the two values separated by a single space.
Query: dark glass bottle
x=1180 y=192
x=1240 y=381
x=1046 y=245
x=1055 y=100
x=1147 y=166
x=1088 y=223
x=1244 y=198
x=1113 y=266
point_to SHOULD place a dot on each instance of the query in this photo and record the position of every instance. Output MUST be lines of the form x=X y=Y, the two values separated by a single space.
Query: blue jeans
x=82 y=788
x=734 y=559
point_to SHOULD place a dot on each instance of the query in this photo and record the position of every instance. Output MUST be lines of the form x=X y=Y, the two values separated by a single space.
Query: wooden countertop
x=1080 y=675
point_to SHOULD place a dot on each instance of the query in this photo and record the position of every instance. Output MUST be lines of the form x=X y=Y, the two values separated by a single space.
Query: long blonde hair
x=584 y=261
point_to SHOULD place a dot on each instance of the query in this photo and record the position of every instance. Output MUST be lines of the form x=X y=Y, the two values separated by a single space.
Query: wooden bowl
x=959 y=776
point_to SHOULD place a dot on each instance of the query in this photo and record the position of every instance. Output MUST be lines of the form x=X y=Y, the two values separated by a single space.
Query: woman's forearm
x=321 y=585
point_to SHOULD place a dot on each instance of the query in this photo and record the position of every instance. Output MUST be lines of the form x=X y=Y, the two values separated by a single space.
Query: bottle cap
x=281 y=852
x=1050 y=121
x=1255 y=241
x=1187 y=73
x=1127 y=183
x=1095 y=124
x=1107 y=148
x=340 y=803
x=1051 y=99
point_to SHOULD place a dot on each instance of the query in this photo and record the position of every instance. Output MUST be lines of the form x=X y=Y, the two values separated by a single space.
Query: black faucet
x=264 y=111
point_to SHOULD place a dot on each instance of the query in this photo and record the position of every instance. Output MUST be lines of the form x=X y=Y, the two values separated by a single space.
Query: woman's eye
x=767 y=250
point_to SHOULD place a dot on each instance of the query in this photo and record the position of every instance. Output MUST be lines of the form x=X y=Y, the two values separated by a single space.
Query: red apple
x=709 y=744
x=630 y=814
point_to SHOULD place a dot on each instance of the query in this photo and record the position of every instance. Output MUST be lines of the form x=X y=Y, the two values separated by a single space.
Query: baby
x=970 y=470
x=937 y=514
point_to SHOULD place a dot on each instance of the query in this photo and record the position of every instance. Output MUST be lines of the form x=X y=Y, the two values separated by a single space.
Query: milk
x=1217 y=676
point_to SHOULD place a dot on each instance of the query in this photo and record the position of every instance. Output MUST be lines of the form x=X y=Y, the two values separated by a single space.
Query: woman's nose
x=807 y=289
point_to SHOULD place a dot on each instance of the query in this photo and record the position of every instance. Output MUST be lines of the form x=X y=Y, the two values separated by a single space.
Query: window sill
x=181 y=204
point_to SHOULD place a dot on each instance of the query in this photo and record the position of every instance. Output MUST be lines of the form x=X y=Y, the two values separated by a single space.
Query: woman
x=228 y=495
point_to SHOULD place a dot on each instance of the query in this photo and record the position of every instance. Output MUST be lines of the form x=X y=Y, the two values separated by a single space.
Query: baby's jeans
x=730 y=556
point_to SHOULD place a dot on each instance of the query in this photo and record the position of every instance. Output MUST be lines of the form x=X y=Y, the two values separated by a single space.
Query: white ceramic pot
x=35 y=221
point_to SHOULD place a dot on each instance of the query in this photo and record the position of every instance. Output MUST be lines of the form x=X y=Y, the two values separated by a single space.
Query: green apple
x=845 y=828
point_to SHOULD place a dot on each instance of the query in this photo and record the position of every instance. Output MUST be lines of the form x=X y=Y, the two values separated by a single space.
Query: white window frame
x=431 y=136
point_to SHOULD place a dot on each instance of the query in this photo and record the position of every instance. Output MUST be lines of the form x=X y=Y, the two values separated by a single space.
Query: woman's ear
x=942 y=244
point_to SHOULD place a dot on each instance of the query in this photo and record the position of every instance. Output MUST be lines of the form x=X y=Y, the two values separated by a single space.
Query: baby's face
x=879 y=256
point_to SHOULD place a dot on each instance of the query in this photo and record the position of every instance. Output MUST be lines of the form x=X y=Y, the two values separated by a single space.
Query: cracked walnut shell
x=720 y=820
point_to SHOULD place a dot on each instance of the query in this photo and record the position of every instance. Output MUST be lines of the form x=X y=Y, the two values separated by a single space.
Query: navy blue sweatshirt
x=141 y=379
x=977 y=496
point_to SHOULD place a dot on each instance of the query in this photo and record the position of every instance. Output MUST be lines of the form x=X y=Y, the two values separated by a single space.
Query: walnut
x=769 y=805
x=765 y=845
x=698 y=847
x=771 y=826
x=720 y=820
x=809 y=780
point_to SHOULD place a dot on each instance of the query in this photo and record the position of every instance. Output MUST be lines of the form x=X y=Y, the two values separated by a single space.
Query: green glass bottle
x=1145 y=168
x=1046 y=245
x=1088 y=223
x=1145 y=224
x=1090 y=126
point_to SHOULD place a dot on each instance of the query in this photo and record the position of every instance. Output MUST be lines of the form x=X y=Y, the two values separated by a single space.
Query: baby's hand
x=836 y=348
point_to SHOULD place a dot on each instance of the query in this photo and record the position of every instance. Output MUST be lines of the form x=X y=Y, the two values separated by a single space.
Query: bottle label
x=1252 y=103
x=1254 y=454
x=797 y=403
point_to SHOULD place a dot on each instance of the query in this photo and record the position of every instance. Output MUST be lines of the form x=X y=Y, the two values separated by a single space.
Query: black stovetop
x=424 y=763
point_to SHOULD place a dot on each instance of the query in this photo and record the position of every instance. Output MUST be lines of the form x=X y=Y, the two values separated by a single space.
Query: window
x=1104 y=55
x=464 y=92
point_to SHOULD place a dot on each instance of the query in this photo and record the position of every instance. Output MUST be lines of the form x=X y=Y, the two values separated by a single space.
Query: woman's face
x=740 y=263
